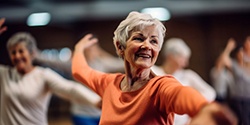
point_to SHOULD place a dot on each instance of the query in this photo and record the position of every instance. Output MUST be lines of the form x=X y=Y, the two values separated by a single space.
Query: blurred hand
x=215 y=114
x=85 y=42
x=231 y=44
x=224 y=60
x=2 y=29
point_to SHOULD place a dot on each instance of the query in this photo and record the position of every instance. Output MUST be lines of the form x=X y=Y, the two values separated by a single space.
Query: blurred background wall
x=205 y=25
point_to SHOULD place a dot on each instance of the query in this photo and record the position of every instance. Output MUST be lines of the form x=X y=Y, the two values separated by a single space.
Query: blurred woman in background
x=231 y=78
x=26 y=89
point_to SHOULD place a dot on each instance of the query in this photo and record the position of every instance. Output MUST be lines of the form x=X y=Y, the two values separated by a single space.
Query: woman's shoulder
x=165 y=77
x=165 y=80
x=115 y=76
x=163 y=84
x=43 y=70
x=5 y=68
x=46 y=73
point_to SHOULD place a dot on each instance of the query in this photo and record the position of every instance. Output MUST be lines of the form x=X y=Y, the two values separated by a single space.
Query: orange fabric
x=152 y=104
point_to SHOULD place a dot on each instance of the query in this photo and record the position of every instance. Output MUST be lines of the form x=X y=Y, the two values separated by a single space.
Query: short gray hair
x=22 y=37
x=136 y=21
x=176 y=46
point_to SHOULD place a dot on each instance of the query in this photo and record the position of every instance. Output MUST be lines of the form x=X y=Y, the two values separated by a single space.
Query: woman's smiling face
x=142 y=48
x=20 y=57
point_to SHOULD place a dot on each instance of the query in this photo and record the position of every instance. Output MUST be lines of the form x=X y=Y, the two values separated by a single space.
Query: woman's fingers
x=87 y=41
x=2 y=29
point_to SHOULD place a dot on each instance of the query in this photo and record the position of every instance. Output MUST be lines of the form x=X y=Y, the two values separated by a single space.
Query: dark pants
x=241 y=107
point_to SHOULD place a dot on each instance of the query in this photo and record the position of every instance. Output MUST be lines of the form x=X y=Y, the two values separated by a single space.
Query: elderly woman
x=139 y=96
x=25 y=89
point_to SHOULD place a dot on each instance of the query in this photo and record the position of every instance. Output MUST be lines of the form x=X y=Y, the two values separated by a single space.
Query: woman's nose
x=146 y=44
x=17 y=55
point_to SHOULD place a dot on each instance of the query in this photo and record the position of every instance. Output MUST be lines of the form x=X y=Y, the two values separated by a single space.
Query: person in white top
x=26 y=89
x=176 y=59
x=97 y=58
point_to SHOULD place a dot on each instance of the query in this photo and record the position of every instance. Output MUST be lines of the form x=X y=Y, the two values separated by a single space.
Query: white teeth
x=144 y=56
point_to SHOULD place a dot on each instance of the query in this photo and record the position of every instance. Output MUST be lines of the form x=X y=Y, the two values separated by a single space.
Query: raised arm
x=221 y=74
x=80 y=67
x=2 y=28
x=224 y=60
x=82 y=71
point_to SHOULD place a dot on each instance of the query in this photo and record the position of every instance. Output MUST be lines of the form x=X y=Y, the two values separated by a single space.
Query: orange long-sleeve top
x=153 y=104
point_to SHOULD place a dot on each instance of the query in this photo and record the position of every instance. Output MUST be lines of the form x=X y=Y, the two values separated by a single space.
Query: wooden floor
x=60 y=121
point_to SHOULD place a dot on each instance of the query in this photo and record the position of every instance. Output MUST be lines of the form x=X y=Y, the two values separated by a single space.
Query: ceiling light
x=38 y=19
x=65 y=54
x=157 y=12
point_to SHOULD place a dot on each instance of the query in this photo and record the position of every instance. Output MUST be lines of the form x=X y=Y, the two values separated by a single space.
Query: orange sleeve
x=182 y=99
x=94 y=79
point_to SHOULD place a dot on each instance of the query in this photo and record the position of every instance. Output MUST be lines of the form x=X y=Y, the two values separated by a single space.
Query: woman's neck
x=135 y=79
x=26 y=70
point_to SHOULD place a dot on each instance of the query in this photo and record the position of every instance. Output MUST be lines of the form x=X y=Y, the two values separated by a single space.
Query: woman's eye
x=13 y=52
x=154 y=41
x=138 y=39
x=20 y=51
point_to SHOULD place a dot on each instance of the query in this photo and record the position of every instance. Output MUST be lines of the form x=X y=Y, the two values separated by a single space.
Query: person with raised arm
x=139 y=97
x=26 y=89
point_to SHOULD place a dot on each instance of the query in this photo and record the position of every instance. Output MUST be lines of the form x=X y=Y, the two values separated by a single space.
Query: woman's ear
x=119 y=49
x=119 y=45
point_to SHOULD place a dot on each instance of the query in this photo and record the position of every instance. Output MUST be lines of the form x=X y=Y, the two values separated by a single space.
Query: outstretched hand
x=87 y=41
x=215 y=114
x=2 y=29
